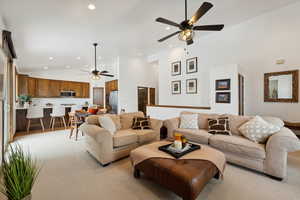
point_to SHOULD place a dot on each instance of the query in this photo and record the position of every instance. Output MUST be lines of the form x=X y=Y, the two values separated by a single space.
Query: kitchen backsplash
x=59 y=101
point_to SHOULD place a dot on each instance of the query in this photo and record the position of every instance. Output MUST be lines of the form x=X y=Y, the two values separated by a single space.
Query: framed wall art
x=223 y=84
x=223 y=97
x=191 y=86
x=176 y=87
x=192 y=65
x=176 y=68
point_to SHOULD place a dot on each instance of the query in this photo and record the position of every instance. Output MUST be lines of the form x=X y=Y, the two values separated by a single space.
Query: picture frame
x=192 y=65
x=176 y=68
x=191 y=86
x=223 y=97
x=223 y=84
x=176 y=87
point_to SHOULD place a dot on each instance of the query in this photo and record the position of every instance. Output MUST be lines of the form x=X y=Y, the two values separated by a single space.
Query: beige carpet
x=69 y=173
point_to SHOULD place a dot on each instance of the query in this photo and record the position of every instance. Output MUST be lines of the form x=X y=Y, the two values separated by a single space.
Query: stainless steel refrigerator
x=113 y=101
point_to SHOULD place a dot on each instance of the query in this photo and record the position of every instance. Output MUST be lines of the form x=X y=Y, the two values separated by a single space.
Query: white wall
x=134 y=72
x=255 y=45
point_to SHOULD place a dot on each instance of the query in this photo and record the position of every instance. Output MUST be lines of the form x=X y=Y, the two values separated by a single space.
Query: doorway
x=98 y=96
x=241 y=95
x=146 y=96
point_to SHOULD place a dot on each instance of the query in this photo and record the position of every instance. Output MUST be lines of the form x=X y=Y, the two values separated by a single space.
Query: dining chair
x=75 y=123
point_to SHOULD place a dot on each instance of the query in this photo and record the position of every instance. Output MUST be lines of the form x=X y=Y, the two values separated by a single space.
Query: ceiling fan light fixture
x=95 y=77
x=91 y=6
x=186 y=35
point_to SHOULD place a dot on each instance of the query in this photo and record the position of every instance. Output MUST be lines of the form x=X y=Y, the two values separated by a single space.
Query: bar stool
x=57 y=112
x=35 y=112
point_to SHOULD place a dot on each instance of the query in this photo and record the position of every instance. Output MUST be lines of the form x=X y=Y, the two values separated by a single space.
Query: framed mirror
x=281 y=86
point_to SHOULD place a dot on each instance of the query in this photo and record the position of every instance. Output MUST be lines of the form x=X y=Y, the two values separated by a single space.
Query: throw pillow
x=219 y=126
x=189 y=121
x=258 y=130
x=141 y=123
x=110 y=123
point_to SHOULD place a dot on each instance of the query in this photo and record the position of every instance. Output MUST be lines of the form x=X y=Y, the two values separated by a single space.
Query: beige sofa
x=107 y=147
x=269 y=158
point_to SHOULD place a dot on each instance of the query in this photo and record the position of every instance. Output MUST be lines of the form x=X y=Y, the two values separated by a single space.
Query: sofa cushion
x=110 y=122
x=140 y=123
x=258 y=130
x=189 y=121
x=124 y=137
x=193 y=135
x=93 y=120
x=235 y=121
x=127 y=119
x=203 y=118
x=145 y=136
x=275 y=121
x=238 y=145
x=219 y=126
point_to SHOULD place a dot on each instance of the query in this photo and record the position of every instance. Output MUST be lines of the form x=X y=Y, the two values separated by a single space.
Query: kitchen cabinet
x=42 y=88
x=31 y=83
x=54 y=89
x=22 y=86
x=46 y=88
x=111 y=86
x=85 y=90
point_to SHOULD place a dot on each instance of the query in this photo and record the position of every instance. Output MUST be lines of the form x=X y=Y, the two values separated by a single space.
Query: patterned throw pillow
x=219 y=126
x=189 y=121
x=258 y=130
x=141 y=123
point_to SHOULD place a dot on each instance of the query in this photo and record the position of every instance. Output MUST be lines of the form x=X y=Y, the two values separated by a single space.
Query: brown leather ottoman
x=186 y=178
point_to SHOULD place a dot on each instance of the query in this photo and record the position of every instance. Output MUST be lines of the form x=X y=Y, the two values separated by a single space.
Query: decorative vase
x=28 y=197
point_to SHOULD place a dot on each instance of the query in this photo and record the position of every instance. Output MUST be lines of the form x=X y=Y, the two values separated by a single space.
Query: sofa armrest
x=97 y=133
x=171 y=125
x=284 y=140
x=156 y=126
x=277 y=148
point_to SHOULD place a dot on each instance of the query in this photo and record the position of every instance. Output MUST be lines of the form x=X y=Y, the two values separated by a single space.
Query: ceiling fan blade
x=104 y=72
x=189 y=42
x=166 y=21
x=206 y=6
x=167 y=37
x=109 y=75
x=217 y=27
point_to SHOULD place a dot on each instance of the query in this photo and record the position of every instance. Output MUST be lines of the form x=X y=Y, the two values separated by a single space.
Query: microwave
x=67 y=94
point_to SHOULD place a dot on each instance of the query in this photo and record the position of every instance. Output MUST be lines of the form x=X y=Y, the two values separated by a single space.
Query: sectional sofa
x=269 y=158
x=107 y=147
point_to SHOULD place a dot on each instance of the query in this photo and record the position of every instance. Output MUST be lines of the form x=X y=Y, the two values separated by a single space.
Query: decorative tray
x=177 y=154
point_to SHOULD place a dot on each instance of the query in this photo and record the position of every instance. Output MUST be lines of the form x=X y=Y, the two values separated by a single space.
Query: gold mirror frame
x=295 y=90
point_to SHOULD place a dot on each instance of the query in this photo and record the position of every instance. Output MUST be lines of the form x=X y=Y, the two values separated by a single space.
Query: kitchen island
x=21 y=121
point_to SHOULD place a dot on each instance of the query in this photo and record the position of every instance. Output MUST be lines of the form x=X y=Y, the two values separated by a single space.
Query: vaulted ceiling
x=66 y=29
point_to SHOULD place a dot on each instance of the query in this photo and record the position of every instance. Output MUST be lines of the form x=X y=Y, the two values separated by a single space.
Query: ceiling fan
x=187 y=28
x=96 y=74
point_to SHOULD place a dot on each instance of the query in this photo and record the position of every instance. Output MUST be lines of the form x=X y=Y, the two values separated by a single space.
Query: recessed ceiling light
x=168 y=28
x=91 y=6
x=78 y=58
x=51 y=58
x=45 y=68
x=68 y=67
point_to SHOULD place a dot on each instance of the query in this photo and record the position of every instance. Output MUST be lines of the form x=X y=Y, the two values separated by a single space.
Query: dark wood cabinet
x=38 y=88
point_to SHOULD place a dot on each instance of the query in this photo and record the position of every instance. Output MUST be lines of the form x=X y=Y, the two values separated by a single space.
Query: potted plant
x=19 y=172
x=24 y=100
